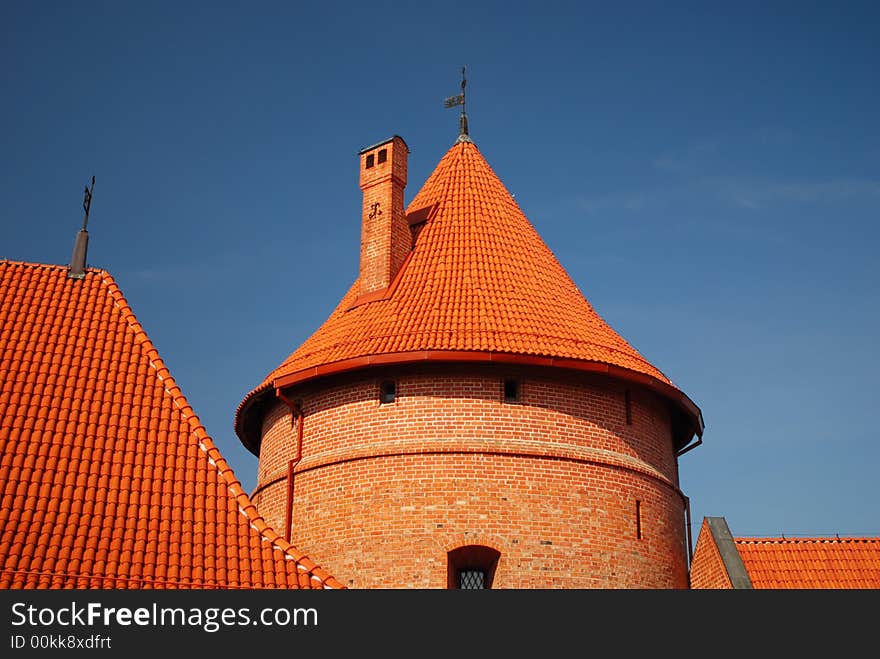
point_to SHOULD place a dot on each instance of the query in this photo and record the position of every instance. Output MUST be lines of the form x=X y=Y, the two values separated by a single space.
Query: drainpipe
x=687 y=513
x=296 y=421
x=691 y=447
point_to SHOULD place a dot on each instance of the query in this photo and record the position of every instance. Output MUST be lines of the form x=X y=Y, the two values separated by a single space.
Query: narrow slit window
x=387 y=391
x=371 y=160
x=638 y=519
x=511 y=390
x=383 y=156
x=628 y=401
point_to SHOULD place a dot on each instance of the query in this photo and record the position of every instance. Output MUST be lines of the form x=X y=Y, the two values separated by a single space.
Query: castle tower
x=465 y=417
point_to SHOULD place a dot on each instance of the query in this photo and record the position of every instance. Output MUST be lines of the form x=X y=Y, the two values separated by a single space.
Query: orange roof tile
x=107 y=477
x=480 y=283
x=788 y=563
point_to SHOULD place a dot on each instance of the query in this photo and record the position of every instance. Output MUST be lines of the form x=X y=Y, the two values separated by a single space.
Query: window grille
x=471 y=567
x=471 y=579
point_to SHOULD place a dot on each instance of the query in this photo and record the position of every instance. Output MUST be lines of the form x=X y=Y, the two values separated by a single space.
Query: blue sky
x=708 y=174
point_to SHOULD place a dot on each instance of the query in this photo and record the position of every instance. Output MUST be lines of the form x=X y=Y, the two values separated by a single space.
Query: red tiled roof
x=107 y=477
x=480 y=284
x=845 y=563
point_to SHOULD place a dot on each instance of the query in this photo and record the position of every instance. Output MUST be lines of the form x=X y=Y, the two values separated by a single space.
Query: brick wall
x=386 y=239
x=383 y=491
x=707 y=568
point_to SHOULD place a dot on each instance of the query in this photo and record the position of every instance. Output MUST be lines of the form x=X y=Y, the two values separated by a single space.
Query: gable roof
x=846 y=563
x=723 y=561
x=716 y=563
x=480 y=285
x=108 y=479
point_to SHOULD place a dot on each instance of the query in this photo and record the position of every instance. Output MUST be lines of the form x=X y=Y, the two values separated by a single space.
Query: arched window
x=471 y=567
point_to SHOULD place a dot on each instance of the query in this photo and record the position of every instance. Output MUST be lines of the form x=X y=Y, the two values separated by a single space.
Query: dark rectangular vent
x=387 y=392
x=511 y=390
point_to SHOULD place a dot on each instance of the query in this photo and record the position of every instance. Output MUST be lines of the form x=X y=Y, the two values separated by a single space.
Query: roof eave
x=249 y=439
x=678 y=398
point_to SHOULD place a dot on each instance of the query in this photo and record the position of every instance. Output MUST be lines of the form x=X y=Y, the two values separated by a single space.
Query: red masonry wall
x=386 y=239
x=707 y=568
x=552 y=481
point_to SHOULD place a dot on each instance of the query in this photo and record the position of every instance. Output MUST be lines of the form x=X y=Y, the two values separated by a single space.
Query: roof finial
x=81 y=246
x=452 y=101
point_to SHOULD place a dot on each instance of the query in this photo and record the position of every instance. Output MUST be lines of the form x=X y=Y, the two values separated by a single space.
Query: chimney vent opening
x=370 y=160
x=383 y=155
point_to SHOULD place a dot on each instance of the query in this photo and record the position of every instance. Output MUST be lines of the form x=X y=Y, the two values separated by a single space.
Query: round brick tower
x=464 y=418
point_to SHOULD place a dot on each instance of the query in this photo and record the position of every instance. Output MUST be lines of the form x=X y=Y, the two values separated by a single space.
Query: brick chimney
x=386 y=239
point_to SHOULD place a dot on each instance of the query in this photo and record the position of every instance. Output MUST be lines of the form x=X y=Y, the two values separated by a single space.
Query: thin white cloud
x=742 y=192
x=636 y=200
x=687 y=159
x=756 y=194
x=691 y=174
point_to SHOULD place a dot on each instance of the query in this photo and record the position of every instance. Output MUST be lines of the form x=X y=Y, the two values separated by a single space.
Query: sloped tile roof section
x=108 y=479
x=480 y=284
x=795 y=563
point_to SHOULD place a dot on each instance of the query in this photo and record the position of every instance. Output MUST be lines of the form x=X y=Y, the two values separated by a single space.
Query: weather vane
x=87 y=202
x=453 y=101
x=77 y=268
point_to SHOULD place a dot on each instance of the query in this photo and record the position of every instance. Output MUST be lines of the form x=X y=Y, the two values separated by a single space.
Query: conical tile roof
x=480 y=283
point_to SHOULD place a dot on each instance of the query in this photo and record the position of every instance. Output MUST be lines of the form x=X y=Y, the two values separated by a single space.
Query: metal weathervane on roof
x=453 y=101
x=81 y=246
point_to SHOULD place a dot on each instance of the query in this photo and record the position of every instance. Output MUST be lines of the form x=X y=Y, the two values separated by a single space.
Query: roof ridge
x=170 y=387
